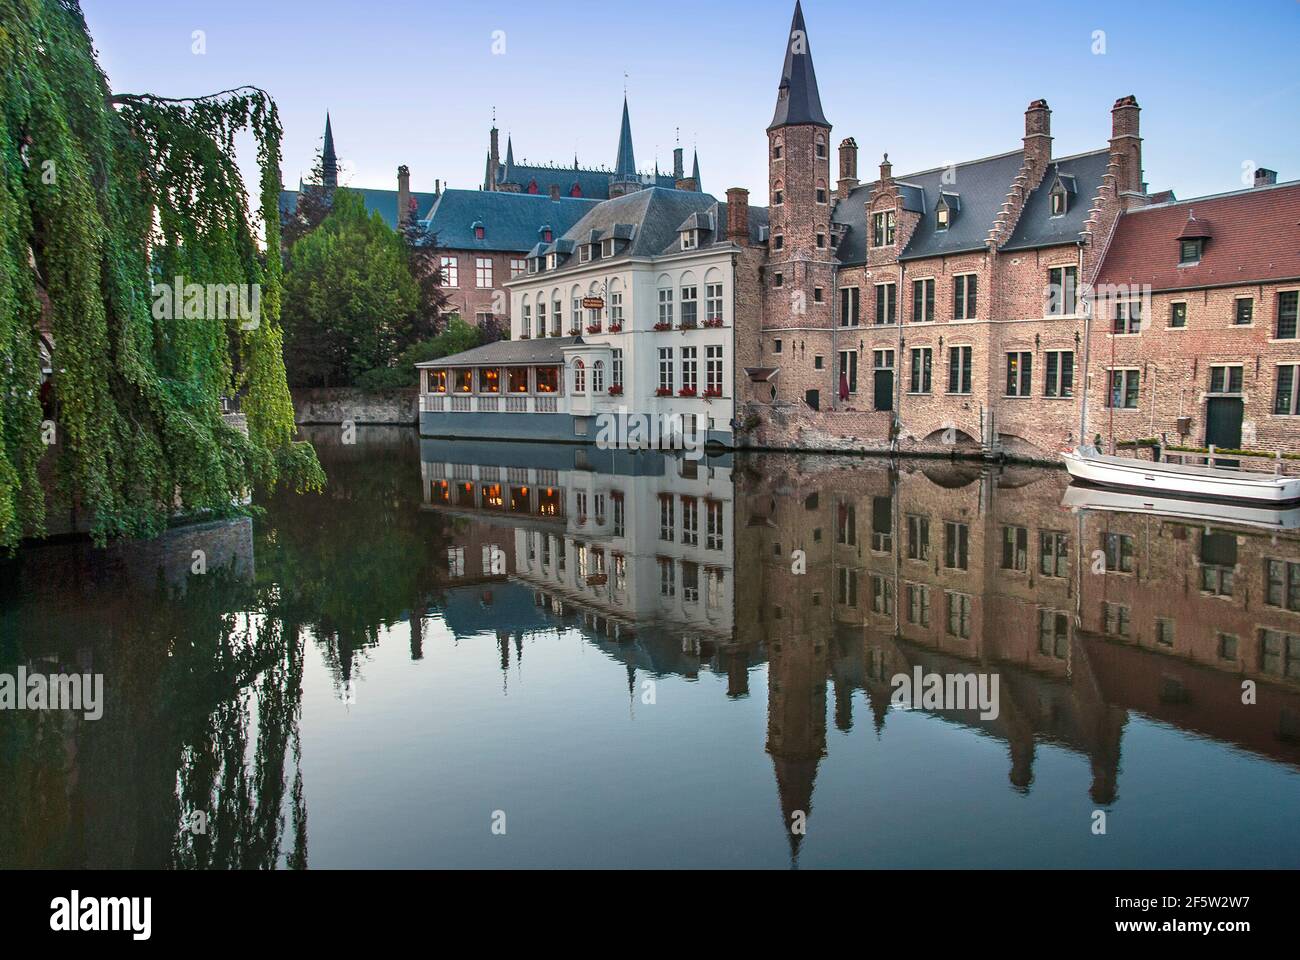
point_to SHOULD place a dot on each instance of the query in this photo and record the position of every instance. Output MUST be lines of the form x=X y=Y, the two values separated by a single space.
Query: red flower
x=663 y=392
x=616 y=389
x=686 y=392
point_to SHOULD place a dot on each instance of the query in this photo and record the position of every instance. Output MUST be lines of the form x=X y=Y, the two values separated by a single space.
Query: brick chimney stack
x=403 y=194
x=1038 y=140
x=848 y=167
x=738 y=215
x=886 y=170
x=1126 y=145
x=1265 y=177
x=494 y=158
x=679 y=170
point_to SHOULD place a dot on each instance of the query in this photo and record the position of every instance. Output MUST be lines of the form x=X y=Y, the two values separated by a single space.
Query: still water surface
x=624 y=659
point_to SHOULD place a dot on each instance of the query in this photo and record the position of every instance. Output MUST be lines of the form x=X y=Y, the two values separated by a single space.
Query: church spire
x=695 y=172
x=625 y=166
x=797 y=99
x=329 y=162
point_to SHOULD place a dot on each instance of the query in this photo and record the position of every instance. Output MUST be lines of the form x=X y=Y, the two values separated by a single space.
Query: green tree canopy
x=102 y=198
x=350 y=299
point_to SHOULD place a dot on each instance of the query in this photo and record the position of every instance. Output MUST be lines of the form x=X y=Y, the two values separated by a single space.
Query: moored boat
x=1181 y=480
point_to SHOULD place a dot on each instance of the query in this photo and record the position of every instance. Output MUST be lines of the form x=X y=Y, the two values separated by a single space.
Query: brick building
x=1214 y=359
x=950 y=306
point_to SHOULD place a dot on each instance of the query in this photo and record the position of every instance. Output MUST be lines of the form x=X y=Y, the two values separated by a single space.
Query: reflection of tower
x=796 y=726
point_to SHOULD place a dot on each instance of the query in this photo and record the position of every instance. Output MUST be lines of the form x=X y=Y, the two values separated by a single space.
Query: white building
x=623 y=325
x=637 y=540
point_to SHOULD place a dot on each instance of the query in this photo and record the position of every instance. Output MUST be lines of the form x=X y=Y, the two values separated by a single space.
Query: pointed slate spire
x=695 y=172
x=797 y=99
x=329 y=162
x=510 y=160
x=625 y=166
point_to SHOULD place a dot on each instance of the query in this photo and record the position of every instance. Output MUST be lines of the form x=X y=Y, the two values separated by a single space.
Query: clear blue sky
x=415 y=81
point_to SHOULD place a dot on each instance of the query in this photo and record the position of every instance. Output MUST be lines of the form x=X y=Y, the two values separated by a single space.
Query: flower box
x=616 y=328
x=713 y=324
x=593 y=328
x=616 y=389
x=712 y=392
x=663 y=326
x=686 y=392
x=574 y=331
x=687 y=326
x=663 y=392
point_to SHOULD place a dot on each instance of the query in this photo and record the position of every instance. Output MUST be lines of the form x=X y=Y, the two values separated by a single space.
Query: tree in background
x=350 y=299
x=423 y=257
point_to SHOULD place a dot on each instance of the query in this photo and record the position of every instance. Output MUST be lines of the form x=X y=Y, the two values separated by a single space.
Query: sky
x=929 y=82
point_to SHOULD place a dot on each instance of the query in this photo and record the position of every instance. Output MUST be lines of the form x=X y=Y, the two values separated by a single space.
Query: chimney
x=848 y=167
x=437 y=188
x=403 y=195
x=1038 y=139
x=679 y=171
x=738 y=215
x=494 y=158
x=555 y=191
x=886 y=170
x=1126 y=144
x=1265 y=177
x=687 y=183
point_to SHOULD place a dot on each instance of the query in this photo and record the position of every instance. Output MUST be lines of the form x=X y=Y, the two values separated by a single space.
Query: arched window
x=597 y=376
x=579 y=377
x=821 y=146
x=541 y=315
x=665 y=315
x=778 y=193
x=777 y=148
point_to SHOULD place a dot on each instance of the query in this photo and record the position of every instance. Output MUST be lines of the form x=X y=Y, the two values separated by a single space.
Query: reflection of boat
x=1091 y=498
x=1180 y=480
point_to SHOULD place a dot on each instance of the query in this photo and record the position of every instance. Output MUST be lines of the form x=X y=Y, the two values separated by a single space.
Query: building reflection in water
x=1088 y=611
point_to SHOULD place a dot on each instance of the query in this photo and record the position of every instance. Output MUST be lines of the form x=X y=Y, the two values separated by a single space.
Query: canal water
x=513 y=655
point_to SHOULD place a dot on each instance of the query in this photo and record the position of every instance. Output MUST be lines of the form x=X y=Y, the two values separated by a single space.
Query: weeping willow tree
x=102 y=200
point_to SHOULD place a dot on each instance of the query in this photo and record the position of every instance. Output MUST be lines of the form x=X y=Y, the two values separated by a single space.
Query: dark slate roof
x=593 y=184
x=505 y=352
x=655 y=215
x=511 y=221
x=1036 y=226
x=981 y=184
x=383 y=202
x=797 y=99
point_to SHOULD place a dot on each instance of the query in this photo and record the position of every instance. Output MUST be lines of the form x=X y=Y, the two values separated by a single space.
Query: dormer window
x=946 y=210
x=479 y=231
x=584 y=252
x=1191 y=241
x=690 y=239
x=882 y=229
x=551 y=261
x=608 y=250
x=534 y=264
x=1060 y=201
x=547 y=235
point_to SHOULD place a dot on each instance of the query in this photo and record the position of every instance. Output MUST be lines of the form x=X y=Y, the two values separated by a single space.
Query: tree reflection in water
x=202 y=674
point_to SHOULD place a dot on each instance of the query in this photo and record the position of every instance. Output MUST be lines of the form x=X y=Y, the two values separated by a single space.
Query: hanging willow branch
x=101 y=198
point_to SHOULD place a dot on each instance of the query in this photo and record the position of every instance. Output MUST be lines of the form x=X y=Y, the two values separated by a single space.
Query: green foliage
x=457 y=337
x=349 y=296
x=99 y=196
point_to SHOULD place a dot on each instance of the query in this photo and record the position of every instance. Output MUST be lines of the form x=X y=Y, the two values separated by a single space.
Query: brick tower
x=799 y=296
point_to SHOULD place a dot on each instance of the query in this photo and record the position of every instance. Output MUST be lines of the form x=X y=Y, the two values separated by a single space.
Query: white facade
x=634 y=549
x=625 y=364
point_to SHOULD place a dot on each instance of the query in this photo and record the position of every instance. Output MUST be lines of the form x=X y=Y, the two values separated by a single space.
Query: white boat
x=1181 y=480
x=1196 y=511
